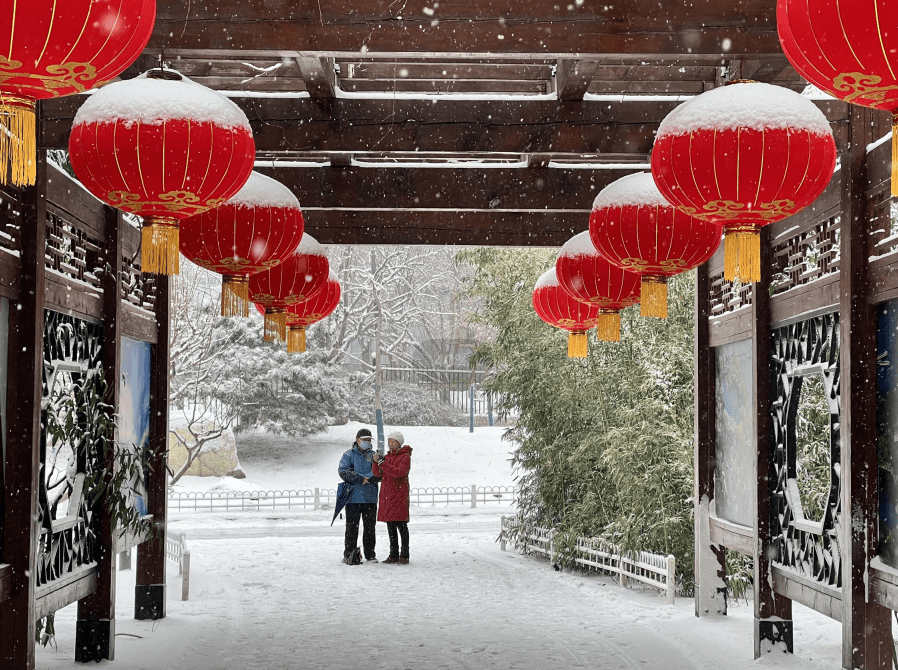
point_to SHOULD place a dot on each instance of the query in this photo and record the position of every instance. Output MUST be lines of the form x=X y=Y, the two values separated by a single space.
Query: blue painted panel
x=887 y=427
x=734 y=474
x=134 y=408
x=4 y=348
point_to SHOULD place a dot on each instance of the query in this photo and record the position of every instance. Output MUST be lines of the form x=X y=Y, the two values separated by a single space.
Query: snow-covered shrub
x=404 y=404
x=604 y=444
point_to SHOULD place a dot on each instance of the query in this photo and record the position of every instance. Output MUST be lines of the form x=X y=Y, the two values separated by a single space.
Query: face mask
x=366 y=444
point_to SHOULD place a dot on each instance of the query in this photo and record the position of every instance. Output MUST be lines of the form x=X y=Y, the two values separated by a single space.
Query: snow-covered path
x=281 y=601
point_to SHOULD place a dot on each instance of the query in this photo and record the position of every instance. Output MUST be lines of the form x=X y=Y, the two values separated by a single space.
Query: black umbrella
x=344 y=491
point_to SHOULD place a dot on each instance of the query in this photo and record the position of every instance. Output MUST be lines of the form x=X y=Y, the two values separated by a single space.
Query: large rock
x=217 y=459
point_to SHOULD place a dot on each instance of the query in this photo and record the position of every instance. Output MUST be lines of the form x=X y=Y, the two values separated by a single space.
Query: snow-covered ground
x=441 y=457
x=284 y=600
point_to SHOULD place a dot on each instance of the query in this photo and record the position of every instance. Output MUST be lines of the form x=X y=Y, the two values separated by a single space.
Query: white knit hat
x=396 y=435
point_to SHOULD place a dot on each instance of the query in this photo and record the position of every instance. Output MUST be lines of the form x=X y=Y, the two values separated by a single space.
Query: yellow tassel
x=653 y=300
x=296 y=339
x=159 y=253
x=608 y=326
x=275 y=324
x=18 y=144
x=235 y=296
x=577 y=345
x=895 y=153
x=742 y=255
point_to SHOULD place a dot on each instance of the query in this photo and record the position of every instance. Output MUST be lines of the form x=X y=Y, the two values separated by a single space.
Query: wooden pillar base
x=149 y=602
x=773 y=635
x=94 y=640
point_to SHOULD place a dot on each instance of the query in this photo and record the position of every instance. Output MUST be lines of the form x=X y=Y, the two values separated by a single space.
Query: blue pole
x=472 y=409
x=379 y=418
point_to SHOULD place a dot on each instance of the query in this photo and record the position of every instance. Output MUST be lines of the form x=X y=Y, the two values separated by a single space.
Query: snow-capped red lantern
x=253 y=231
x=303 y=314
x=585 y=275
x=849 y=50
x=636 y=229
x=557 y=308
x=165 y=148
x=744 y=156
x=299 y=277
x=57 y=49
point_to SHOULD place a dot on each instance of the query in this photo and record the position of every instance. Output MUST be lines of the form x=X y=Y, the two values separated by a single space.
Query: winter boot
x=355 y=558
x=403 y=560
x=392 y=559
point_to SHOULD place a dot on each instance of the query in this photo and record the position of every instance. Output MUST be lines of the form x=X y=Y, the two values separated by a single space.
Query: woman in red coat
x=393 y=507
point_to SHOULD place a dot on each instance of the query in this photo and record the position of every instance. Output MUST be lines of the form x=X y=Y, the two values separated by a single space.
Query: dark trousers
x=396 y=529
x=367 y=513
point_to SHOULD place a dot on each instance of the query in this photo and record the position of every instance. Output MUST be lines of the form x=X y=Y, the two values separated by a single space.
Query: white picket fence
x=594 y=553
x=312 y=499
x=176 y=550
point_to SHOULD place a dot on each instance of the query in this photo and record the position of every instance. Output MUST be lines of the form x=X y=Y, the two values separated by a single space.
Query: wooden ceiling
x=457 y=121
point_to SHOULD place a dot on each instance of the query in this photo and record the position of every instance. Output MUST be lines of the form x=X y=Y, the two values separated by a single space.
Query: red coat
x=394 y=488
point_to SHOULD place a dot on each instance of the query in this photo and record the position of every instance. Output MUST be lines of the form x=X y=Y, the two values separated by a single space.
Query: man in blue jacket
x=355 y=470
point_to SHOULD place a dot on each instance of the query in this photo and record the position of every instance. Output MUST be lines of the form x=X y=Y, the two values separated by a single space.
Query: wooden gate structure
x=488 y=122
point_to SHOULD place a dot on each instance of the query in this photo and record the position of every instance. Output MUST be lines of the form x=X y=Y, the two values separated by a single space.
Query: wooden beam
x=319 y=76
x=773 y=612
x=22 y=467
x=459 y=126
x=149 y=591
x=471 y=27
x=301 y=124
x=95 y=627
x=450 y=227
x=866 y=626
x=445 y=188
x=573 y=77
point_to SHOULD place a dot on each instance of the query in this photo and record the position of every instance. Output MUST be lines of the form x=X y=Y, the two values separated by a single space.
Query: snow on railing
x=176 y=550
x=594 y=553
x=313 y=499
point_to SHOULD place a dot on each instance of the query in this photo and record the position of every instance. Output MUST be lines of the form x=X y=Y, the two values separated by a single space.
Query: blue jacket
x=355 y=465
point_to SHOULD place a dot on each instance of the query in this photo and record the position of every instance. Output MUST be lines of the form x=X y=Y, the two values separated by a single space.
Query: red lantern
x=303 y=314
x=164 y=148
x=589 y=278
x=298 y=278
x=557 y=308
x=744 y=156
x=253 y=231
x=849 y=50
x=636 y=229
x=56 y=49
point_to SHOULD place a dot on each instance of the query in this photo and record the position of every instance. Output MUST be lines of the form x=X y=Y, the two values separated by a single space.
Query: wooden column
x=149 y=596
x=773 y=612
x=95 y=627
x=26 y=362
x=710 y=558
x=866 y=626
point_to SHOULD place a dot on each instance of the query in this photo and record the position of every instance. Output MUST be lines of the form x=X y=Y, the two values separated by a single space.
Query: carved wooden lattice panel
x=138 y=288
x=806 y=348
x=72 y=250
x=72 y=348
x=10 y=210
x=806 y=253
x=883 y=212
x=728 y=296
